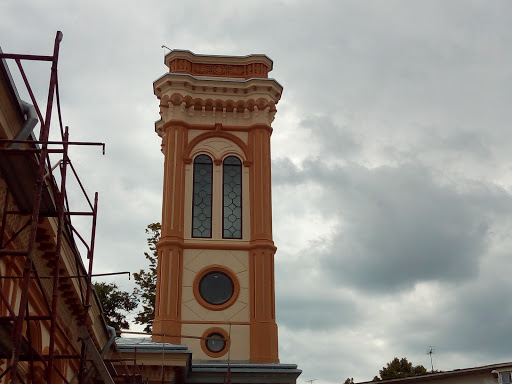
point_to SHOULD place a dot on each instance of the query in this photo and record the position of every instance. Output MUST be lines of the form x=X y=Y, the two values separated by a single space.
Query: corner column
x=173 y=206
x=167 y=323
x=263 y=327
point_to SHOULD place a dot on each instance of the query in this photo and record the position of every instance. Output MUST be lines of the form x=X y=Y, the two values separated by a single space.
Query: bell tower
x=216 y=252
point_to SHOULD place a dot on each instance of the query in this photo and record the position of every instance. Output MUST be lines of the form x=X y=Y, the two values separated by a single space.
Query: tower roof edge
x=249 y=66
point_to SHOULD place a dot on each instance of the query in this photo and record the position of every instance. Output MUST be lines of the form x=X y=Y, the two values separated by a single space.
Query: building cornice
x=237 y=103
x=217 y=88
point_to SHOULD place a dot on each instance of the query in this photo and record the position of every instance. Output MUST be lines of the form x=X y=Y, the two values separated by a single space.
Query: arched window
x=232 y=198
x=202 y=200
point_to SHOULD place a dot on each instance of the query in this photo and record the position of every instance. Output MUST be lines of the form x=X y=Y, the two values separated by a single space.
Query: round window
x=216 y=288
x=215 y=342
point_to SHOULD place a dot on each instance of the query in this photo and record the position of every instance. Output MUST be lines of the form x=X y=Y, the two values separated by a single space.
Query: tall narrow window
x=202 y=201
x=232 y=199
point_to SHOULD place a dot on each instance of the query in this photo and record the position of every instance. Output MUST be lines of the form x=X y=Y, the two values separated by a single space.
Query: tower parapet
x=245 y=67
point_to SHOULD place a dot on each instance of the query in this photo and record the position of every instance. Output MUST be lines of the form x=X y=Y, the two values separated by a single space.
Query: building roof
x=448 y=374
x=242 y=372
x=144 y=344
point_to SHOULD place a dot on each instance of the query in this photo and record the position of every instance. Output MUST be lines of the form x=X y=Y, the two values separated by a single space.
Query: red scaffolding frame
x=29 y=175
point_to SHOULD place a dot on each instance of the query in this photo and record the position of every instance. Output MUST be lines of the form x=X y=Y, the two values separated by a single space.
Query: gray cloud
x=399 y=226
x=335 y=141
x=319 y=312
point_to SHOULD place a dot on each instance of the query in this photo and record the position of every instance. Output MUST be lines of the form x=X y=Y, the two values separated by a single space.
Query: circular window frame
x=220 y=331
x=216 y=268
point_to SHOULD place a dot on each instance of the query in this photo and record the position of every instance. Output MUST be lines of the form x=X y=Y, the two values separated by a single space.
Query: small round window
x=215 y=342
x=216 y=288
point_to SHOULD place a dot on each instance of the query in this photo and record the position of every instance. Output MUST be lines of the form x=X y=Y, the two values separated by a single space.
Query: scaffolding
x=36 y=195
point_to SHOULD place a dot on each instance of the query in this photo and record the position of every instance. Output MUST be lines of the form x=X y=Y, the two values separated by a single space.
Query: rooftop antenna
x=165 y=46
x=311 y=381
x=430 y=352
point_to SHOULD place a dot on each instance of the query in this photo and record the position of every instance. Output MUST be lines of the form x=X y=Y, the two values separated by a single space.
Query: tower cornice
x=210 y=87
x=209 y=101
x=250 y=66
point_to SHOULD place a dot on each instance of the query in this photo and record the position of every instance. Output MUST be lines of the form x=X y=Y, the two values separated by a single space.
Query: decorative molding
x=247 y=153
x=203 y=104
x=208 y=116
x=192 y=87
x=161 y=128
x=222 y=245
x=258 y=70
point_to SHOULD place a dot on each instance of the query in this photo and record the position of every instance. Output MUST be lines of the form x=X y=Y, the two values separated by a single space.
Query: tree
x=349 y=380
x=115 y=304
x=397 y=369
x=146 y=280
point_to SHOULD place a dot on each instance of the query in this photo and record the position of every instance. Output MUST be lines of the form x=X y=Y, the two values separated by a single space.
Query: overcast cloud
x=392 y=169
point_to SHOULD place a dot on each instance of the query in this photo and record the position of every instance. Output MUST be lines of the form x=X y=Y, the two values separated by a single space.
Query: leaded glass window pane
x=232 y=200
x=202 y=200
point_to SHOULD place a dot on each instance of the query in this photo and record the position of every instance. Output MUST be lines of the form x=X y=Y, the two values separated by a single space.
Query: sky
x=391 y=171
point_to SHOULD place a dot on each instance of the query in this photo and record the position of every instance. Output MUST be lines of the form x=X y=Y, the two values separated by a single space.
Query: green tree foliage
x=399 y=368
x=146 y=280
x=116 y=304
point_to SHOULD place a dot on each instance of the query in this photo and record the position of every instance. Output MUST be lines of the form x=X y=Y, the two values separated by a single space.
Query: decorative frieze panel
x=218 y=70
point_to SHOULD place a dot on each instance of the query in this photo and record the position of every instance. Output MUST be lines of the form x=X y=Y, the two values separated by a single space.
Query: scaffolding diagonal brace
x=95 y=355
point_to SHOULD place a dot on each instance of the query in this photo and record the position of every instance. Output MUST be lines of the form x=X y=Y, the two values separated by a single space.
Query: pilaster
x=173 y=144
x=167 y=323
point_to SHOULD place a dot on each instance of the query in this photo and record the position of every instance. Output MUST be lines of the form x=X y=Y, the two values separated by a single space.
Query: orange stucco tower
x=216 y=253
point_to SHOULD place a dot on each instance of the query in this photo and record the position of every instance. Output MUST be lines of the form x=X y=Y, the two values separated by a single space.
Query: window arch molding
x=194 y=147
x=202 y=151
